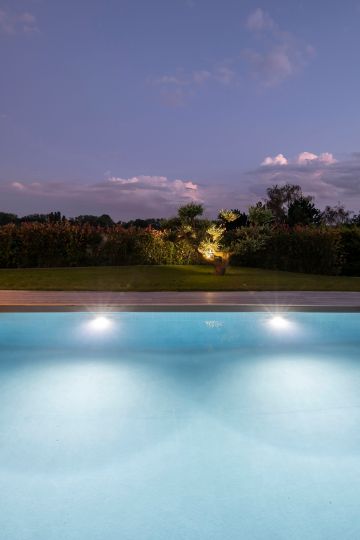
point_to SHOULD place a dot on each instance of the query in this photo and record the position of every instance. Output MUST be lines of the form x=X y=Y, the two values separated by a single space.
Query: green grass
x=170 y=278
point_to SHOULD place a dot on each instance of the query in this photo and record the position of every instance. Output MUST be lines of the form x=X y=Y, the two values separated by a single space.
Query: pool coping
x=37 y=301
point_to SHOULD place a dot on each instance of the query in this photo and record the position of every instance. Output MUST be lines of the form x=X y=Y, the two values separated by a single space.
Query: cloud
x=273 y=56
x=276 y=54
x=17 y=23
x=18 y=185
x=124 y=198
x=177 y=88
x=328 y=180
x=280 y=159
x=259 y=20
x=303 y=158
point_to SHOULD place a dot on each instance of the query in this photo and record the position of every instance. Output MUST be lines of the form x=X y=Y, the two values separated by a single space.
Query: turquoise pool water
x=179 y=426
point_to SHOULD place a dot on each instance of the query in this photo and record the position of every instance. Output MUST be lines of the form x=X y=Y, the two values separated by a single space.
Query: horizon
x=133 y=109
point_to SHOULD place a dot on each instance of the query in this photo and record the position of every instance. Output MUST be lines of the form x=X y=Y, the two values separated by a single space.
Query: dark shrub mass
x=68 y=244
x=302 y=249
x=350 y=241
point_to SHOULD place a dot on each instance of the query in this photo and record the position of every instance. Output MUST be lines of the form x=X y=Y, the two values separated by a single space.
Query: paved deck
x=58 y=300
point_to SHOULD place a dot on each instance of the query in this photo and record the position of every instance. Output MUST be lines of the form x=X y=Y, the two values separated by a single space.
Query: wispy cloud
x=275 y=54
x=177 y=87
x=17 y=23
x=259 y=21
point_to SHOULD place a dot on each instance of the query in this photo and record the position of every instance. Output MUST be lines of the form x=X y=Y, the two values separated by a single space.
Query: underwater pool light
x=100 y=323
x=278 y=322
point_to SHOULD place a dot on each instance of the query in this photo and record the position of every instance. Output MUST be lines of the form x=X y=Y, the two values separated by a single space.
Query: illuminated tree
x=212 y=248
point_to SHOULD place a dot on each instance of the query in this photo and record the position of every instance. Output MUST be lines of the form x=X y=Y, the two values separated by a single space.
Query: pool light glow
x=100 y=324
x=277 y=322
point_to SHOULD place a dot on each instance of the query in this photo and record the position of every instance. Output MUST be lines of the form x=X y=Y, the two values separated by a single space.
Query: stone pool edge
x=17 y=300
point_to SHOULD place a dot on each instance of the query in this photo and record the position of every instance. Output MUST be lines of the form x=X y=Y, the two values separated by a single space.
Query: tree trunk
x=220 y=266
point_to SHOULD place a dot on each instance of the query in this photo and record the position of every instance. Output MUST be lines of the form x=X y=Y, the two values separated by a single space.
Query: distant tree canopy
x=336 y=215
x=6 y=218
x=98 y=221
x=52 y=217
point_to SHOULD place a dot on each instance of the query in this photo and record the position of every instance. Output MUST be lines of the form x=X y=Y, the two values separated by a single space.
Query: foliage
x=97 y=221
x=286 y=232
x=335 y=215
x=279 y=199
x=6 y=218
x=260 y=215
x=52 y=217
x=227 y=216
x=189 y=212
x=211 y=246
x=248 y=243
x=302 y=211
x=300 y=249
x=350 y=242
x=69 y=244
x=233 y=219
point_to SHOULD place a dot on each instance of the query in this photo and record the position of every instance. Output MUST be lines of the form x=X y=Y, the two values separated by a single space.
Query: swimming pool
x=180 y=426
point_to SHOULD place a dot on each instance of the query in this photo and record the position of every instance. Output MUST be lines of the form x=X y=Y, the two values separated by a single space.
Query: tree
x=189 y=212
x=279 y=199
x=52 y=217
x=232 y=219
x=260 y=215
x=97 y=221
x=138 y=223
x=335 y=215
x=6 y=218
x=212 y=248
x=356 y=220
x=303 y=212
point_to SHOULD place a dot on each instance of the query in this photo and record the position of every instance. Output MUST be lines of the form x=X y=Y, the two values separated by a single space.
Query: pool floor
x=180 y=427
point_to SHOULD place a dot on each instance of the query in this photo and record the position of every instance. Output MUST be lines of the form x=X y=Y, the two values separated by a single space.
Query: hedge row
x=66 y=244
x=303 y=249
x=306 y=249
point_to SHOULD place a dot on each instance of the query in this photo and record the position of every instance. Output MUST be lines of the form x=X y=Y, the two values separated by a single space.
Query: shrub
x=350 y=242
x=69 y=244
x=302 y=249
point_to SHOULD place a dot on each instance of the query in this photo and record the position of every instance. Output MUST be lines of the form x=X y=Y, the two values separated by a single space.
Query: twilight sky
x=133 y=107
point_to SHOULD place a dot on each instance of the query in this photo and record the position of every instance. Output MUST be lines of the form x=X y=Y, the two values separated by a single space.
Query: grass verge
x=170 y=278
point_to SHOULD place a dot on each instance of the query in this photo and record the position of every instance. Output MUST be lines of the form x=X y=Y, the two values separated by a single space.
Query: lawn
x=170 y=278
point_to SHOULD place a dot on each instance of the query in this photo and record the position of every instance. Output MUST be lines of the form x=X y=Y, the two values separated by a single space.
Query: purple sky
x=133 y=107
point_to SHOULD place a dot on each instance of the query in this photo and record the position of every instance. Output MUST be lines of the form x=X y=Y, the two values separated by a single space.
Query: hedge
x=319 y=250
x=350 y=242
x=302 y=249
x=66 y=244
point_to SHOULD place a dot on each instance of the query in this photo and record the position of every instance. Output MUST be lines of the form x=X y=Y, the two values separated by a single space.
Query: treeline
x=285 y=231
x=104 y=220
